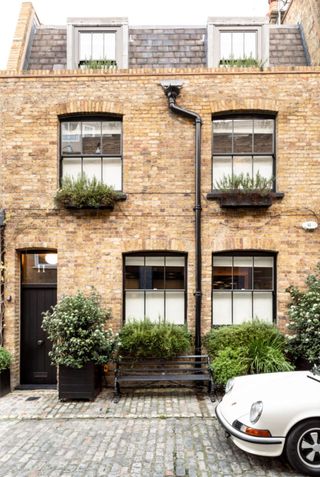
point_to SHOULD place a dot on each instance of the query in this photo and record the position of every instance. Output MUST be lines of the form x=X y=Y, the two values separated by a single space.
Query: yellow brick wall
x=307 y=12
x=158 y=171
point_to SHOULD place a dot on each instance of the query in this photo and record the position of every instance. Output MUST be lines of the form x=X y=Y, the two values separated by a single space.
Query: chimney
x=273 y=11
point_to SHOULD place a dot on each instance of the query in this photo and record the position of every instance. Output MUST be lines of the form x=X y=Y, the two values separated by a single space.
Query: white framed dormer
x=237 y=39
x=97 y=39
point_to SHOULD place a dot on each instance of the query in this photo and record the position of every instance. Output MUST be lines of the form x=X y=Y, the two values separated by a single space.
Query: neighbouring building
x=103 y=98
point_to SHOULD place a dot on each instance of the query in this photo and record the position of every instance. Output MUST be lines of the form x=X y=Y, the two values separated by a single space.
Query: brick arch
x=22 y=246
x=242 y=244
x=245 y=104
x=89 y=106
x=158 y=245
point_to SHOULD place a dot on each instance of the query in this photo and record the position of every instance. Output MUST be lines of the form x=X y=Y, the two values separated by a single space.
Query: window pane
x=154 y=273
x=109 y=46
x=225 y=45
x=92 y=168
x=242 y=307
x=71 y=167
x=222 y=136
x=221 y=309
x=222 y=167
x=263 y=165
x=243 y=129
x=85 y=46
x=112 y=173
x=263 y=273
x=237 y=45
x=134 y=261
x=242 y=165
x=39 y=268
x=175 y=307
x=155 y=306
x=111 y=137
x=174 y=278
x=70 y=137
x=175 y=261
x=222 y=272
x=250 y=45
x=97 y=46
x=91 y=137
x=242 y=273
x=263 y=135
x=134 y=277
x=263 y=306
x=134 y=306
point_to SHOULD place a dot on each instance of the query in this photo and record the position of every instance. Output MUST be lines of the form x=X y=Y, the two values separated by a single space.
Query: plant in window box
x=245 y=191
x=80 y=344
x=83 y=193
x=97 y=64
x=240 y=63
x=5 y=360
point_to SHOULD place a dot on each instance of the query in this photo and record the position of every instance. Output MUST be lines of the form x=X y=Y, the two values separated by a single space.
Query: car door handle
x=40 y=342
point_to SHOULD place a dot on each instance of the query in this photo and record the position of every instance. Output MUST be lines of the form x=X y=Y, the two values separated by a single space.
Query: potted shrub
x=83 y=193
x=245 y=191
x=80 y=344
x=5 y=360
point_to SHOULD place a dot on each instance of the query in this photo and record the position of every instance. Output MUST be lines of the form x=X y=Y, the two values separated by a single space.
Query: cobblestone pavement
x=150 y=433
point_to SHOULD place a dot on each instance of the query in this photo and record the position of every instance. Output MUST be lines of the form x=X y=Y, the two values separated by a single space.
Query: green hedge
x=144 y=339
x=5 y=359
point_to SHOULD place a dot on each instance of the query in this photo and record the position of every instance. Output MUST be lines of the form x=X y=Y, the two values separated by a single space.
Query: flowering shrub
x=304 y=315
x=76 y=327
x=5 y=359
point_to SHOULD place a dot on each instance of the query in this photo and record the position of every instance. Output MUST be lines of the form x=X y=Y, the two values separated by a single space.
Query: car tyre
x=303 y=447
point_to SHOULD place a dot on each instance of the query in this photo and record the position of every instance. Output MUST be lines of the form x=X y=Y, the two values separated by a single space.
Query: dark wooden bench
x=190 y=368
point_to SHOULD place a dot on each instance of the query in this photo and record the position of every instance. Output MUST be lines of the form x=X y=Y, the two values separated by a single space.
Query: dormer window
x=238 y=42
x=97 y=43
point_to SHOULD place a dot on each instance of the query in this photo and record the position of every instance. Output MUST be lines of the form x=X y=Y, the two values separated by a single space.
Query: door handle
x=40 y=342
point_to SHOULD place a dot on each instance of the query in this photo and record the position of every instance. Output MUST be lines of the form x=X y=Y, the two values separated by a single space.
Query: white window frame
x=218 y=25
x=76 y=26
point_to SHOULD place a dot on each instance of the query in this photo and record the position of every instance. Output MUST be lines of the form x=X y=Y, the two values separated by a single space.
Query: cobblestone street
x=149 y=433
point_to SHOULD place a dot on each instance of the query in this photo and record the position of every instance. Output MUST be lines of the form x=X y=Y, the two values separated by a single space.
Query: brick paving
x=149 y=433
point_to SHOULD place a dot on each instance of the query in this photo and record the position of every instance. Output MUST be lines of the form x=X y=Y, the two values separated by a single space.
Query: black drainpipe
x=172 y=91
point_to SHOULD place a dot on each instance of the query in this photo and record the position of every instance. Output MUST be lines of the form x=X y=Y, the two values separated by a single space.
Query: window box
x=235 y=198
x=4 y=382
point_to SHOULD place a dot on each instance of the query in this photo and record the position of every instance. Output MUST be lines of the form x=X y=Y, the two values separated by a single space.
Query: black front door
x=38 y=294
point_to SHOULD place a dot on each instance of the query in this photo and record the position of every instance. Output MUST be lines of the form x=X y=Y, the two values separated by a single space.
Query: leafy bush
x=82 y=192
x=304 y=316
x=76 y=327
x=5 y=359
x=142 y=339
x=249 y=348
x=230 y=362
x=238 y=336
x=244 y=183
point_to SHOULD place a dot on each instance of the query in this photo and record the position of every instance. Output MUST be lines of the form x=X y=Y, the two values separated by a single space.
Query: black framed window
x=243 y=287
x=92 y=147
x=243 y=145
x=155 y=287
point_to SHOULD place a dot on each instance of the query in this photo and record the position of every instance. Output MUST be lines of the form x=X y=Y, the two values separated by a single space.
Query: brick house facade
x=153 y=228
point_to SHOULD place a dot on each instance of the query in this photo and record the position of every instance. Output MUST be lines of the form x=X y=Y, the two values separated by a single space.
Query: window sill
x=234 y=199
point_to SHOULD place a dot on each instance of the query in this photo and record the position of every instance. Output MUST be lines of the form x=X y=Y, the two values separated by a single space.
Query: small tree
x=304 y=314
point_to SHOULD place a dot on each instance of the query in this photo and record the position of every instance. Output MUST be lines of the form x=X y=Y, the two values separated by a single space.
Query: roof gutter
x=172 y=90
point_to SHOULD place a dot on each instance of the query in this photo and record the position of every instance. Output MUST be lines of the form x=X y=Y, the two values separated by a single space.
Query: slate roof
x=165 y=47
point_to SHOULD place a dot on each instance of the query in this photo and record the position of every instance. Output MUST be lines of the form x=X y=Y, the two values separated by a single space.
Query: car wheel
x=303 y=447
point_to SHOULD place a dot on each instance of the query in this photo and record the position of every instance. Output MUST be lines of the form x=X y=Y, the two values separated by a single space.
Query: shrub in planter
x=76 y=328
x=144 y=339
x=5 y=360
x=244 y=184
x=304 y=320
x=83 y=193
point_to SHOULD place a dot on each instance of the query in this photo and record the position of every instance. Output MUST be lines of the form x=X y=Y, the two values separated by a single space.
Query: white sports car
x=271 y=414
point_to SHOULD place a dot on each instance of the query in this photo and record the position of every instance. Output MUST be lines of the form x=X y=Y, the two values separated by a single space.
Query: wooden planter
x=82 y=383
x=4 y=382
x=248 y=199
